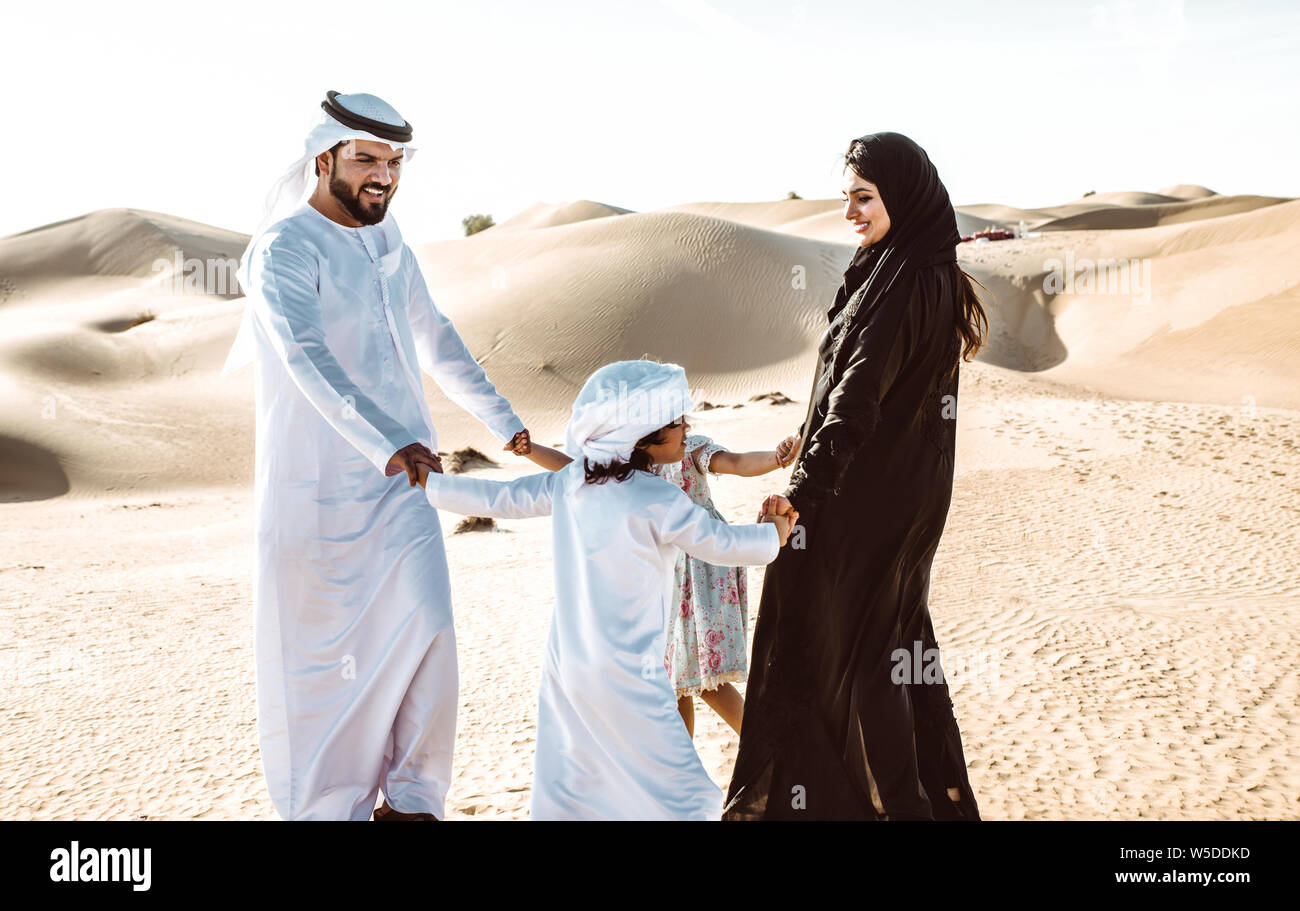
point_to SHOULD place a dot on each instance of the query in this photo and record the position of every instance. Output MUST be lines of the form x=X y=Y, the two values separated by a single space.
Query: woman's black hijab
x=922 y=231
x=923 y=226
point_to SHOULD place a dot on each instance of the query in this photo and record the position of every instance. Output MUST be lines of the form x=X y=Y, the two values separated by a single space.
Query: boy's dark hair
x=620 y=470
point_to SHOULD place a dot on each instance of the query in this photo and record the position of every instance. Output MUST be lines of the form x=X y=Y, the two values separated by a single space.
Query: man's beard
x=368 y=213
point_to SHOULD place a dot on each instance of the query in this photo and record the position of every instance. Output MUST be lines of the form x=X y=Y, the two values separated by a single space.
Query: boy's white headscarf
x=289 y=191
x=619 y=404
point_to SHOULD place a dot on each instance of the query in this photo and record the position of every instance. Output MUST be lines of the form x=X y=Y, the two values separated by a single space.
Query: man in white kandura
x=355 y=652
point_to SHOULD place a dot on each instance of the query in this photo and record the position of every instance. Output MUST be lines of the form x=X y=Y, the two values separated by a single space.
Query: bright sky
x=194 y=109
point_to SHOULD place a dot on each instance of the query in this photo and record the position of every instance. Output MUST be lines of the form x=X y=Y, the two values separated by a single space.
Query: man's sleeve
x=285 y=297
x=444 y=357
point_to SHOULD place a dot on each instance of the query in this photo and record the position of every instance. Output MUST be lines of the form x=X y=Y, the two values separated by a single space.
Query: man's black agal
x=357 y=122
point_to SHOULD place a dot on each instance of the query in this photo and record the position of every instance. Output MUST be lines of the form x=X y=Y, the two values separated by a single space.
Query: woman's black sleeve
x=878 y=351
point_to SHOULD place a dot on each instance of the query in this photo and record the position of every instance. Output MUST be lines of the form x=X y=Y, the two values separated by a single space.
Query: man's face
x=364 y=178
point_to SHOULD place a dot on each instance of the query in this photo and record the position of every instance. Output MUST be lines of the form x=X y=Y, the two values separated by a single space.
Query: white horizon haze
x=194 y=113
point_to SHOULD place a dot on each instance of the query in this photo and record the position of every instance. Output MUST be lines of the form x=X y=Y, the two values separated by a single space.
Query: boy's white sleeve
x=691 y=528
x=522 y=498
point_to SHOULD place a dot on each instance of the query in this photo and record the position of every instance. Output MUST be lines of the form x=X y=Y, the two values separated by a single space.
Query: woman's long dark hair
x=620 y=470
x=972 y=322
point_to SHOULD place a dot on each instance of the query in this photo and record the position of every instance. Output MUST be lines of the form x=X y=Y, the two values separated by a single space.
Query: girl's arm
x=752 y=464
x=546 y=457
x=522 y=498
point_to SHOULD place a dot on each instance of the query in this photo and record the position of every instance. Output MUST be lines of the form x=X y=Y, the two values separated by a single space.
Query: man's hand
x=424 y=471
x=520 y=444
x=409 y=458
x=777 y=505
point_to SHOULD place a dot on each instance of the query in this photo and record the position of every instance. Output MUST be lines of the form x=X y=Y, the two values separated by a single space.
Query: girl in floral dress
x=706 y=638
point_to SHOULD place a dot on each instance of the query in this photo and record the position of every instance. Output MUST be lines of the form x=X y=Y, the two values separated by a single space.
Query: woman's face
x=864 y=208
x=673 y=448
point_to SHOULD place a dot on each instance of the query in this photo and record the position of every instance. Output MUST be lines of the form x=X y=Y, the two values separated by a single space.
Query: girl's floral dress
x=706 y=636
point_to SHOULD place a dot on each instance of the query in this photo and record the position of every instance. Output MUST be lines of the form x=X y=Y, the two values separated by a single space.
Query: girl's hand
x=788 y=449
x=520 y=444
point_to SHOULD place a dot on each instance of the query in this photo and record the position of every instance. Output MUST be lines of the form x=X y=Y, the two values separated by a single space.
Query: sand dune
x=822 y=219
x=1186 y=191
x=737 y=306
x=1120 y=216
x=548 y=215
x=813 y=219
x=1115 y=596
x=114 y=362
x=1127 y=198
x=111 y=246
x=1148 y=293
x=1111 y=212
x=1123 y=533
x=736 y=292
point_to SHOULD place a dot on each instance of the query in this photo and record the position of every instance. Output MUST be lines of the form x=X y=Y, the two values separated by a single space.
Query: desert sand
x=1116 y=592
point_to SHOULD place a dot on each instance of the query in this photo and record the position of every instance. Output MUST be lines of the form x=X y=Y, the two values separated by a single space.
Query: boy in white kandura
x=610 y=742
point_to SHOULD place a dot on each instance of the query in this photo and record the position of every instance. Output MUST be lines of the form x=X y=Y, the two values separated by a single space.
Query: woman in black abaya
x=837 y=725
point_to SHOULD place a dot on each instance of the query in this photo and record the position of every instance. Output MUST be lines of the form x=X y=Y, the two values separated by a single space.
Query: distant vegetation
x=793 y=195
x=476 y=223
x=1089 y=193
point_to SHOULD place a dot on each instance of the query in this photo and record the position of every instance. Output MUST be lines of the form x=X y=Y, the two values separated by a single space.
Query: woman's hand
x=777 y=505
x=788 y=449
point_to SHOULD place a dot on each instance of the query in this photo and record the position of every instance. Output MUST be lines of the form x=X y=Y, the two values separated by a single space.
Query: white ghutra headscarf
x=343 y=117
x=619 y=404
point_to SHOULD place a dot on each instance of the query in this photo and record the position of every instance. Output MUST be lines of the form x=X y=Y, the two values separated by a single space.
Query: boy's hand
x=424 y=473
x=782 y=524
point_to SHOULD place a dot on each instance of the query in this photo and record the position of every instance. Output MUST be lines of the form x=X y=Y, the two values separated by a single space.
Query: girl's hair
x=620 y=470
x=972 y=322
